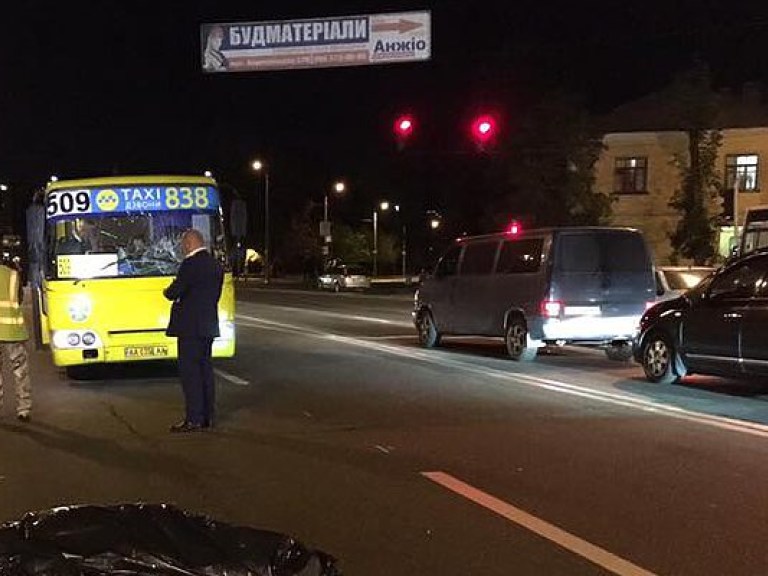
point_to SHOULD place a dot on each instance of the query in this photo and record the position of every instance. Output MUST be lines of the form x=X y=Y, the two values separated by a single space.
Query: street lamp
x=325 y=229
x=258 y=166
x=3 y=188
x=383 y=206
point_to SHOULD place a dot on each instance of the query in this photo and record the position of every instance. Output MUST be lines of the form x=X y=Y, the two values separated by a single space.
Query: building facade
x=644 y=145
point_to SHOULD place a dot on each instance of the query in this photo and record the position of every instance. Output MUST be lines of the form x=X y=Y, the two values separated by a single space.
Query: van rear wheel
x=518 y=343
x=429 y=337
x=619 y=352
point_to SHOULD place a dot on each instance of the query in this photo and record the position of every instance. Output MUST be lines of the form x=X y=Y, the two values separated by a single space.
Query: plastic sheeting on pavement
x=143 y=539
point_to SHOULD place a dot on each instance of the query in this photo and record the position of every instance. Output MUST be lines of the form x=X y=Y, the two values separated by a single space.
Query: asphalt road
x=334 y=426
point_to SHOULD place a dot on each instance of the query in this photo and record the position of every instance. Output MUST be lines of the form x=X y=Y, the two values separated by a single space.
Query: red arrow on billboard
x=400 y=26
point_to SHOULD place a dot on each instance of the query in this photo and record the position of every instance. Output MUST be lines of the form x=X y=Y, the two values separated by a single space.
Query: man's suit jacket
x=195 y=293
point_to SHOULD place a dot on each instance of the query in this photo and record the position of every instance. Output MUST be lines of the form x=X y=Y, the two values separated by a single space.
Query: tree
x=355 y=246
x=696 y=109
x=301 y=247
x=551 y=163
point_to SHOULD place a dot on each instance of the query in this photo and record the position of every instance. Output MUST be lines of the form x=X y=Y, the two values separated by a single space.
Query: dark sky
x=92 y=87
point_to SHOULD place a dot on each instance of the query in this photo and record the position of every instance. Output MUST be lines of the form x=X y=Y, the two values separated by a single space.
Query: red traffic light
x=514 y=228
x=404 y=126
x=484 y=128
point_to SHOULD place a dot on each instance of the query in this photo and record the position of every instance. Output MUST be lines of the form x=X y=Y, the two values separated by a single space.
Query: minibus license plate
x=146 y=351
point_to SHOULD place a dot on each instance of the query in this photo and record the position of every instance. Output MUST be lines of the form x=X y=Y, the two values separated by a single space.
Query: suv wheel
x=659 y=357
x=429 y=337
x=517 y=342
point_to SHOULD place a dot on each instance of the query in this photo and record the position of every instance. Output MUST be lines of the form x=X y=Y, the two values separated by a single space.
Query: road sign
x=316 y=42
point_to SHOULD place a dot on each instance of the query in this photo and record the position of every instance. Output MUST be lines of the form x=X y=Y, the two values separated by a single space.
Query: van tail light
x=551 y=308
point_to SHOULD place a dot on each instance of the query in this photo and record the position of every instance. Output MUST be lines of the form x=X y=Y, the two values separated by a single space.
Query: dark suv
x=718 y=327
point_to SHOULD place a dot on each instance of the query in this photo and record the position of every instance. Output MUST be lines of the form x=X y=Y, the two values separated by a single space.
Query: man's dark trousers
x=196 y=371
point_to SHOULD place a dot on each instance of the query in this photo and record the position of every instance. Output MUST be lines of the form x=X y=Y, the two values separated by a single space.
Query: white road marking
x=447 y=360
x=231 y=377
x=340 y=315
x=594 y=554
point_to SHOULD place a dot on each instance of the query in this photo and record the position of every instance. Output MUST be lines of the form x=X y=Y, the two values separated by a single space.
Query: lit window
x=745 y=167
x=630 y=175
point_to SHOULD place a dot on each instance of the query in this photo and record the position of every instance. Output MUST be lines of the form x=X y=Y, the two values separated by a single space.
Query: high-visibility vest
x=12 y=328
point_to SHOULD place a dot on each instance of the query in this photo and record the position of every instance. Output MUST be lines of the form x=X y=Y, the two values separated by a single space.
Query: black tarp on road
x=143 y=539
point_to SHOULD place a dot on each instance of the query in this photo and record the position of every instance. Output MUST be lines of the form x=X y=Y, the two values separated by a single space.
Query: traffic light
x=403 y=127
x=483 y=130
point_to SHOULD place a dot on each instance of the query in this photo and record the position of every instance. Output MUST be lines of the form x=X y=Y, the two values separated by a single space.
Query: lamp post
x=325 y=229
x=383 y=206
x=435 y=221
x=259 y=166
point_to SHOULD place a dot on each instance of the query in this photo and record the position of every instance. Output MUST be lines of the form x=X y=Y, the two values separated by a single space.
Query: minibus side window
x=520 y=256
x=449 y=263
x=479 y=258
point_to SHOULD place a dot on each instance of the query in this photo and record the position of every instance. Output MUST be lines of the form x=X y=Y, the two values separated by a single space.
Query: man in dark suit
x=195 y=322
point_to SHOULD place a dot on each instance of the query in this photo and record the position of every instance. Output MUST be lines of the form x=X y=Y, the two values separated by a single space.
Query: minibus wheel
x=429 y=337
x=517 y=342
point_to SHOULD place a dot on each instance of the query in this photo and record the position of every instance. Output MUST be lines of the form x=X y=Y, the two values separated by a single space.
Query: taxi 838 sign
x=130 y=199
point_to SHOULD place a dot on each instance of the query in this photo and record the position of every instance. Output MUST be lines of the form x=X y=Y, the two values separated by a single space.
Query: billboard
x=316 y=42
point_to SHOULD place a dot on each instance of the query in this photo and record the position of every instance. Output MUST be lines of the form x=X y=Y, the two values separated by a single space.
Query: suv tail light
x=551 y=308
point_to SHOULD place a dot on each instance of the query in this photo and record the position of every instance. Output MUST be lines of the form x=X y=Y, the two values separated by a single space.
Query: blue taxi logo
x=107 y=200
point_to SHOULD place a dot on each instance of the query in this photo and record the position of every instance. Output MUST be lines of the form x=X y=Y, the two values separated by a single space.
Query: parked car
x=344 y=277
x=553 y=286
x=673 y=281
x=716 y=328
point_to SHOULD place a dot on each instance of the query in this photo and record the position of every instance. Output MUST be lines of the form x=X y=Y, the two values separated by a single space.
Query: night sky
x=100 y=87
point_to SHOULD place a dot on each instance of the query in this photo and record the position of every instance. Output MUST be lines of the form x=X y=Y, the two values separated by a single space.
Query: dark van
x=552 y=286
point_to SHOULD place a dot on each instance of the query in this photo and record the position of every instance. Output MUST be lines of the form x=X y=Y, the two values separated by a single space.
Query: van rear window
x=602 y=251
x=520 y=256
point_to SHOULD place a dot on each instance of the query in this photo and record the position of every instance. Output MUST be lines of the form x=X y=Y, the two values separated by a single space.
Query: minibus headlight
x=79 y=308
x=89 y=338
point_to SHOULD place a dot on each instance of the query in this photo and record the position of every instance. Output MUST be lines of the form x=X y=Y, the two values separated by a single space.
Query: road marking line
x=370 y=319
x=231 y=377
x=578 y=546
x=445 y=359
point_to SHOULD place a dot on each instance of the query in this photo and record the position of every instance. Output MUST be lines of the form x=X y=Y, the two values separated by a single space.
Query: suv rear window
x=602 y=251
x=520 y=256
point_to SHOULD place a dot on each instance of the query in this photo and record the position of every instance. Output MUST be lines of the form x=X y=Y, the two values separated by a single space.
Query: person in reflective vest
x=13 y=337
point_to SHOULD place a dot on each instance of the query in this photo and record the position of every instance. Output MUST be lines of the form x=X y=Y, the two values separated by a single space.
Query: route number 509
x=68 y=202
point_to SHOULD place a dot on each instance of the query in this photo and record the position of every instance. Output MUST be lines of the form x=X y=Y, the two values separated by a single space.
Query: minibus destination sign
x=130 y=199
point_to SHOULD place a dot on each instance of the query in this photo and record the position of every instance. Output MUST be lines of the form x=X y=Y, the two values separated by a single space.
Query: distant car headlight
x=79 y=308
